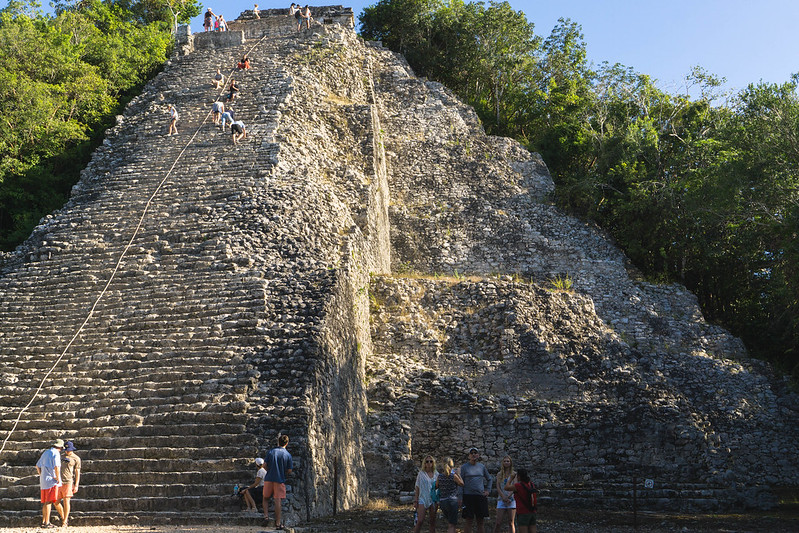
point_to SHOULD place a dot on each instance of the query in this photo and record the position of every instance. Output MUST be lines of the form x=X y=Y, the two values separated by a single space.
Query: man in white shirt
x=49 y=468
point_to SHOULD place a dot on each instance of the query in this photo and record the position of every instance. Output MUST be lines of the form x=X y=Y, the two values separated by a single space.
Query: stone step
x=201 y=472
x=207 y=391
x=92 y=430
x=27 y=438
x=147 y=378
x=21 y=476
x=128 y=457
x=157 y=466
x=199 y=398
x=210 y=498
x=231 y=516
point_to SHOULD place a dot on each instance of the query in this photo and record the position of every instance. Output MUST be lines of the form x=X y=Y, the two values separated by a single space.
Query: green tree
x=405 y=26
x=62 y=79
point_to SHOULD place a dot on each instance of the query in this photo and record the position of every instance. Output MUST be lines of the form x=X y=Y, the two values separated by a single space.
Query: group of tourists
x=270 y=481
x=467 y=489
x=214 y=22
x=59 y=478
x=220 y=113
x=301 y=14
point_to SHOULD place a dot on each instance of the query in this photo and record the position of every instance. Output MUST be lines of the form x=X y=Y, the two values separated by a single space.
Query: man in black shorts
x=239 y=131
x=476 y=482
x=254 y=493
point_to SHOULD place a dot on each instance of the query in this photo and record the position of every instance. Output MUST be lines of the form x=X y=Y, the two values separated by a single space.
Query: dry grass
x=379 y=504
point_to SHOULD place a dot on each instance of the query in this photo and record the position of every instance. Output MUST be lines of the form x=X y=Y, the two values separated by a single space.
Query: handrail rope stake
x=119 y=261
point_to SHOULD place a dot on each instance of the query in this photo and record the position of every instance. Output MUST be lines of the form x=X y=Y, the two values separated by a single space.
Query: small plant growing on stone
x=375 y=301
x=561 y=284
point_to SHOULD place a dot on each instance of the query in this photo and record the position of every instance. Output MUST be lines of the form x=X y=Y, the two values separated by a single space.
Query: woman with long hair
x=447 y=483
x=506 y=503
x=422 y=499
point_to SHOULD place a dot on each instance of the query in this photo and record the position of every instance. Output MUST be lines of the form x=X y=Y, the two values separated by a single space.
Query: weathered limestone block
x=218 y=39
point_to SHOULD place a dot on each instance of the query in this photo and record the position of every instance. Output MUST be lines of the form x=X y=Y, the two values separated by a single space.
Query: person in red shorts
x=70 y=479
x=49 y=468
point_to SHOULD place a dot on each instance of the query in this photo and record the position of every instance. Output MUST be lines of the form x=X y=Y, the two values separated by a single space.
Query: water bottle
x=236 y=490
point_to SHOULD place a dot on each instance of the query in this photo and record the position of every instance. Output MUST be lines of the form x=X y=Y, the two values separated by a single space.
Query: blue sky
x=744 y=42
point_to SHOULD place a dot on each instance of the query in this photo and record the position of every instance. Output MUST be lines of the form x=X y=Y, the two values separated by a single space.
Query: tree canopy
x=700 y=190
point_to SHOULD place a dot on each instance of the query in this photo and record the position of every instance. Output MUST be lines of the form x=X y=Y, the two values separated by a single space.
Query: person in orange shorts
x=278 y=466
x=70 y=479
x=49 y=468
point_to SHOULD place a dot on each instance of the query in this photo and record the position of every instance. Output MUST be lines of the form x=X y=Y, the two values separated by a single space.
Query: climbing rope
x=121 y=257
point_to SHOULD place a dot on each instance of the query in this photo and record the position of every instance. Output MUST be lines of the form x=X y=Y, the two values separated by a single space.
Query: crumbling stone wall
x=613 y=378
x=512 y=368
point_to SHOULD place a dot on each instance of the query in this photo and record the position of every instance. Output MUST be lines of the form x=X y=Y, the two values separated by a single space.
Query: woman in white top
x=254 y=493
x=506 y=503
x=422 y=500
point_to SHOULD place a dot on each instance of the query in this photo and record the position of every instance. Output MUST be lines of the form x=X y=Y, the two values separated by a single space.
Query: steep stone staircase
x=213 y=334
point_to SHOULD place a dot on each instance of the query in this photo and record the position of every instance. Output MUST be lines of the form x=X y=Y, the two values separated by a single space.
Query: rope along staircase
x=156 y=389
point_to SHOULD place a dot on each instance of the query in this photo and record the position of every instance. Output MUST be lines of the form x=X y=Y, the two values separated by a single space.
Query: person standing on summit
x=209 y=19
x=49 y=468
x=306 y=16
x=278 y=466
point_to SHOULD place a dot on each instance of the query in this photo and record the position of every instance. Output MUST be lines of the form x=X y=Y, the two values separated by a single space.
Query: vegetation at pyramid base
x=704 y=191
x=63 y=78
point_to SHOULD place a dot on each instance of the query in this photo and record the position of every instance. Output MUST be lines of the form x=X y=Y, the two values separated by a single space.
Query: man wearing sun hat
x=70 y=479
x=49 y=468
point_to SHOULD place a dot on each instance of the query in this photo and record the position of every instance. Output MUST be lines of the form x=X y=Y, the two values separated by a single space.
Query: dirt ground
x=400 y=519
x=386 y=518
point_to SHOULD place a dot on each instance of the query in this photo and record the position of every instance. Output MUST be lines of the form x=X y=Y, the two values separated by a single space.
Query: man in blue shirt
x=278 y=466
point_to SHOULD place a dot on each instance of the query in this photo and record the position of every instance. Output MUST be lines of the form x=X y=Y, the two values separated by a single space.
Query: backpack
x=532 y=495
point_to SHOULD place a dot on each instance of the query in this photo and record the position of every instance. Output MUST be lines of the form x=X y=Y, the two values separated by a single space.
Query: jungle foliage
x=63 y=77
x=703 y=190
